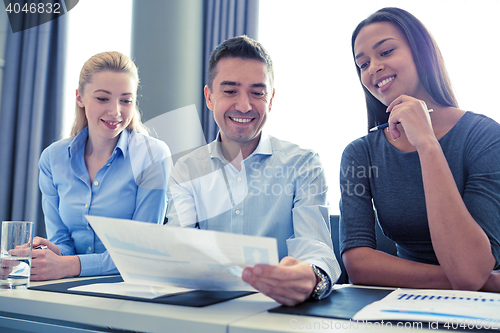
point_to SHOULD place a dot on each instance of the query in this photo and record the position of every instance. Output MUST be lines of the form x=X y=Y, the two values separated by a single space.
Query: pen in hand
x=40 y=247
x=376 y=128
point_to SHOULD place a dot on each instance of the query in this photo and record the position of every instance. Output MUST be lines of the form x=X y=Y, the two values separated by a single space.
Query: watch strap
x=323 y=284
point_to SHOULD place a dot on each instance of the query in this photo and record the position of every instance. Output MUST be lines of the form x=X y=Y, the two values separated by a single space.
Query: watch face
x=321 y=288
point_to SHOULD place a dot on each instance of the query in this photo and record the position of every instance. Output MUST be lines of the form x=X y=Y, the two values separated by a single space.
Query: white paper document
x=132 y=290
x=451 y=307
x=155 y=255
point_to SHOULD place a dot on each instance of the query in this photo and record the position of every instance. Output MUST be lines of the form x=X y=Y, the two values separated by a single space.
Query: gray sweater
x=374 y=171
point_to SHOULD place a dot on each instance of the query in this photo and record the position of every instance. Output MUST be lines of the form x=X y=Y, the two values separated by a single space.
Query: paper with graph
x=151 y=254
x=448 y=307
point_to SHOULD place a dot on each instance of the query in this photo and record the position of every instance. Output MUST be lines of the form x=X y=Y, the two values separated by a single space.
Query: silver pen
x=376 y=128
x=40 y=247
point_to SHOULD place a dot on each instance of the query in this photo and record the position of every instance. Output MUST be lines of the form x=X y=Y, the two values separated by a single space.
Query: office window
x=93 y=26
x=319 y=102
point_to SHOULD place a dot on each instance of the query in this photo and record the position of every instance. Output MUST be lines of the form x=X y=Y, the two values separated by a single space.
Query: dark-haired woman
x=431 y=180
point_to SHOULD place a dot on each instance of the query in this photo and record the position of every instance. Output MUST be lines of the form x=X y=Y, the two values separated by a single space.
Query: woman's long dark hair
x=428 y=61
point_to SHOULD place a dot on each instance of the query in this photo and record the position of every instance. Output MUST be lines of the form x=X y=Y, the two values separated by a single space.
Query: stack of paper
x=458 y=309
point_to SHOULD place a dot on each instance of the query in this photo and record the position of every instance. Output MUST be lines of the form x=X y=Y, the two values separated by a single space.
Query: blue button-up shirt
x=280 y=192
x=130 y=185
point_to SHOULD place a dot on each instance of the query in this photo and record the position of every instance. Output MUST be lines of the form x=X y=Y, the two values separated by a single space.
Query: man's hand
x=289 y=283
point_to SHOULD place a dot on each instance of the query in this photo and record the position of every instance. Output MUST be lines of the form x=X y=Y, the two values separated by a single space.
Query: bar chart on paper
x=443 y=306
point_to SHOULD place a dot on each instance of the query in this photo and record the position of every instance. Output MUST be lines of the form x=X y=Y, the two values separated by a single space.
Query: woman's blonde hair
x=106 y=61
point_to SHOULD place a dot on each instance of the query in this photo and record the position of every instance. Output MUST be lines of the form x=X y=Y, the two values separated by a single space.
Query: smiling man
x=249 y=183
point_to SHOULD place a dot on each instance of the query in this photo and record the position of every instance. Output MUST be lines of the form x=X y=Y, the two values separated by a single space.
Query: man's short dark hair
x=242 y=47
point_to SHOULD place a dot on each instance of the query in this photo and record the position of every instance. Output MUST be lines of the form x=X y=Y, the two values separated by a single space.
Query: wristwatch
x=322 y=286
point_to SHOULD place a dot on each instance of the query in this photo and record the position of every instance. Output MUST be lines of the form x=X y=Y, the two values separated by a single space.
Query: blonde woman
x=109 y=167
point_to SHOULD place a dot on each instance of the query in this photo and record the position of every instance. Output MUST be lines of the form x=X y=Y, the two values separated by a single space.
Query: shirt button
x=239 y=179
x=86 y=205
x=96 y=183
x=108 y=164
x=90 y=249
x=88 y=227
x=237 y=212
x=114 y=152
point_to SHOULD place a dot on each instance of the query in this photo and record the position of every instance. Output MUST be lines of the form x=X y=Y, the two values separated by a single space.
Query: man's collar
x=214 y=148
x=263 y=148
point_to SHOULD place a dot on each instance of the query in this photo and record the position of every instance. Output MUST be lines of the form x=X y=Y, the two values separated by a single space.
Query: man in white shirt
x=248 y=183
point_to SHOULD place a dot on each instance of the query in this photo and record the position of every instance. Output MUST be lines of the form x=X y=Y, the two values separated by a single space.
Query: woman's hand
x=49 y=264
x=38 y=241
x=413 y=115
x=493 y=282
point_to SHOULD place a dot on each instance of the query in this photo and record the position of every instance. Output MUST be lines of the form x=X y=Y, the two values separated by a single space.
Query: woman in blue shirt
x=109 y=167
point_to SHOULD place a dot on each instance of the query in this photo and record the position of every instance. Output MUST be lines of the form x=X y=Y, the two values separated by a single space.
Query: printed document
x=443 y=306
x=164 y=256
x=130 y=290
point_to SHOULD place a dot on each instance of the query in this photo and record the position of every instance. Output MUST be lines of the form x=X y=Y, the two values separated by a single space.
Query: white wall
x=319 y=102
x=93 y=26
